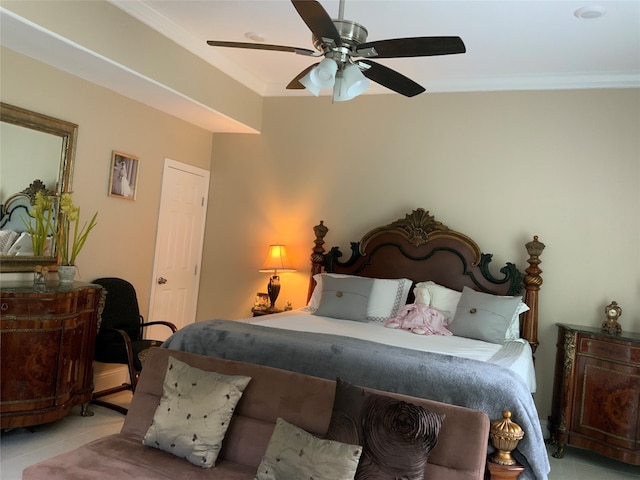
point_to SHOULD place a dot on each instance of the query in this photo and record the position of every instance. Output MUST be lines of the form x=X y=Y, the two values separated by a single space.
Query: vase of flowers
x=71 y=237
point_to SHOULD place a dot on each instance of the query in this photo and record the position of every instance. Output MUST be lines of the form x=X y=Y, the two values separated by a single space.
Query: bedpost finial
x=505 y=436
x=320 y=230
x=535 y=247
x=317 y=255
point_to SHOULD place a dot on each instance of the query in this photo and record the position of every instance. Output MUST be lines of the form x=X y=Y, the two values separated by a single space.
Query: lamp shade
x=309 y=85
x=340 y=93
x=355 y=81
x=277 y=260
x=323 y=75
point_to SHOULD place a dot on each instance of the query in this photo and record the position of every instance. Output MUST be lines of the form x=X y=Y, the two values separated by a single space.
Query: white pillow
x=293 y=453
x=386 y=298
x=23 y=246
x=7 y=237
x=513 y=331
x=437 y=296
x=194 y=412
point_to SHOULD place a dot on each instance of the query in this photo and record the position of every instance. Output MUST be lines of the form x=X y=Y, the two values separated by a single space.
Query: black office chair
x=120 y=336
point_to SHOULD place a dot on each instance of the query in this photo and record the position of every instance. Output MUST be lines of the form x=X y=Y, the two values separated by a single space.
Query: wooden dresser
x=596 y=393
x=47 y=340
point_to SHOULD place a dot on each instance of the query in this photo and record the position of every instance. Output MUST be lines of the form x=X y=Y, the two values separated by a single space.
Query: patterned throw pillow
x=396 y=436
x=194 y=412
x=293 y=453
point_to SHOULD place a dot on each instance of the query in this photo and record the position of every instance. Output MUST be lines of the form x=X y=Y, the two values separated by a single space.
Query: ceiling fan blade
x=390 y=78
x=263 y=46
x=295 y=83
x=411 y=47
x=317 y=19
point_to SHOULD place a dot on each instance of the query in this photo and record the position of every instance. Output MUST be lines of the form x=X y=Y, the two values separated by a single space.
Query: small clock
x=611 y=325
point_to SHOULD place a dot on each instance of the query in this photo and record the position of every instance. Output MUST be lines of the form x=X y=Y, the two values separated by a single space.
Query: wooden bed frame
x=19 y=204
x=421 y=248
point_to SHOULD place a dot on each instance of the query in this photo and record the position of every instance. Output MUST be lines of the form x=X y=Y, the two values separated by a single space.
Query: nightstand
x=596 y=393
x=258 y=312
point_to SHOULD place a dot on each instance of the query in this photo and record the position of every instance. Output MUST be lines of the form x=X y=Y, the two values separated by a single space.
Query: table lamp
x=275 y=262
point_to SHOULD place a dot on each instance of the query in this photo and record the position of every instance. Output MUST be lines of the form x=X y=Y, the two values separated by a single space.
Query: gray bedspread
x=482 y=386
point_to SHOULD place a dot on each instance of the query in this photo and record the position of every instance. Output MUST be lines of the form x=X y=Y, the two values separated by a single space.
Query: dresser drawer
x=28 y=305
x=609 y=350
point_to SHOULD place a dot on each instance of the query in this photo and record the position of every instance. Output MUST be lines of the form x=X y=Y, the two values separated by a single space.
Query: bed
x=415 y=264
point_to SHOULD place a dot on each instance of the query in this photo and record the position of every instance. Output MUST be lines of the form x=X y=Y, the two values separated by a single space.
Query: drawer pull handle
x=4 y=307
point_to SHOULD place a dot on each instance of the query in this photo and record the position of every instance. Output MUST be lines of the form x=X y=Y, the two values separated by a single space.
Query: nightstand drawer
x=609 y=350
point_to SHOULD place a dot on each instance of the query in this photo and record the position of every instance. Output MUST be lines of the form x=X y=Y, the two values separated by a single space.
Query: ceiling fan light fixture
x=354 y=80
x=340 y=41
x=340 y=90
x=309 y=85
x=324 y=74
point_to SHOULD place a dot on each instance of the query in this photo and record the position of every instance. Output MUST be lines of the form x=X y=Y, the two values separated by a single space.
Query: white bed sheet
x=304 y=321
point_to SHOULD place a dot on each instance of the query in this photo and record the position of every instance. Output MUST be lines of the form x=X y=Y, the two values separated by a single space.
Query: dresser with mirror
x=47 y=329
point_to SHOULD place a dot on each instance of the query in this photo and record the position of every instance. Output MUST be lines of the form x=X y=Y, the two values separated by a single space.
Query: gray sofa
x=300 y=399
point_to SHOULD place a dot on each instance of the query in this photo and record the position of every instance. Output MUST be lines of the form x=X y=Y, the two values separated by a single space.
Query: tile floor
x=22 y=447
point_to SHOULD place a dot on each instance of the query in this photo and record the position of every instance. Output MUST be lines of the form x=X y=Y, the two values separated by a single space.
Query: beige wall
x=122 y=244
x=501 y=167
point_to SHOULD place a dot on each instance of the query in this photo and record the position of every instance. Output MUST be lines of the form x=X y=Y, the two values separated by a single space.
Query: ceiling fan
x=342 y=43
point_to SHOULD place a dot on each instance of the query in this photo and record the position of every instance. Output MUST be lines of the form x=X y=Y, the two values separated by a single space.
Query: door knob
x=162 y=281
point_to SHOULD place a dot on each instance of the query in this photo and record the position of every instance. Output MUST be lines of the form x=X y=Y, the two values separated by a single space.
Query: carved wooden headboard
x=15 y=210
x=421 y=248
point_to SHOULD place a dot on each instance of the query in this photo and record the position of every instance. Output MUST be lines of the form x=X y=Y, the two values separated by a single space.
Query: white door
x=179 y=243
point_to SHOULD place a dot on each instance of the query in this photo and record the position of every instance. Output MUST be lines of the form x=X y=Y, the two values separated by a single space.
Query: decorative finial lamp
x=275 y=262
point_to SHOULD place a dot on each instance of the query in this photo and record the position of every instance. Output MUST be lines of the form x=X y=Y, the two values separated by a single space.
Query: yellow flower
x=70 y=245
x=43 y=224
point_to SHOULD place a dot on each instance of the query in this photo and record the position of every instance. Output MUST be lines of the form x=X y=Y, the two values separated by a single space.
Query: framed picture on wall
x=123 y=180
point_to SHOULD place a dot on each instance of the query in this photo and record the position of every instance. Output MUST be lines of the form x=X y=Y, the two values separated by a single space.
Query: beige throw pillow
x=194 y=412
x=293 y=453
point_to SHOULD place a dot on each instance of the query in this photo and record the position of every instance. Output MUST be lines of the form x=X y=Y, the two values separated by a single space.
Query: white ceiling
x=511 y=45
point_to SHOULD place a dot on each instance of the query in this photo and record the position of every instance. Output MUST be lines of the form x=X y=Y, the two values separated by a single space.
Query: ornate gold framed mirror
x=37 y=152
